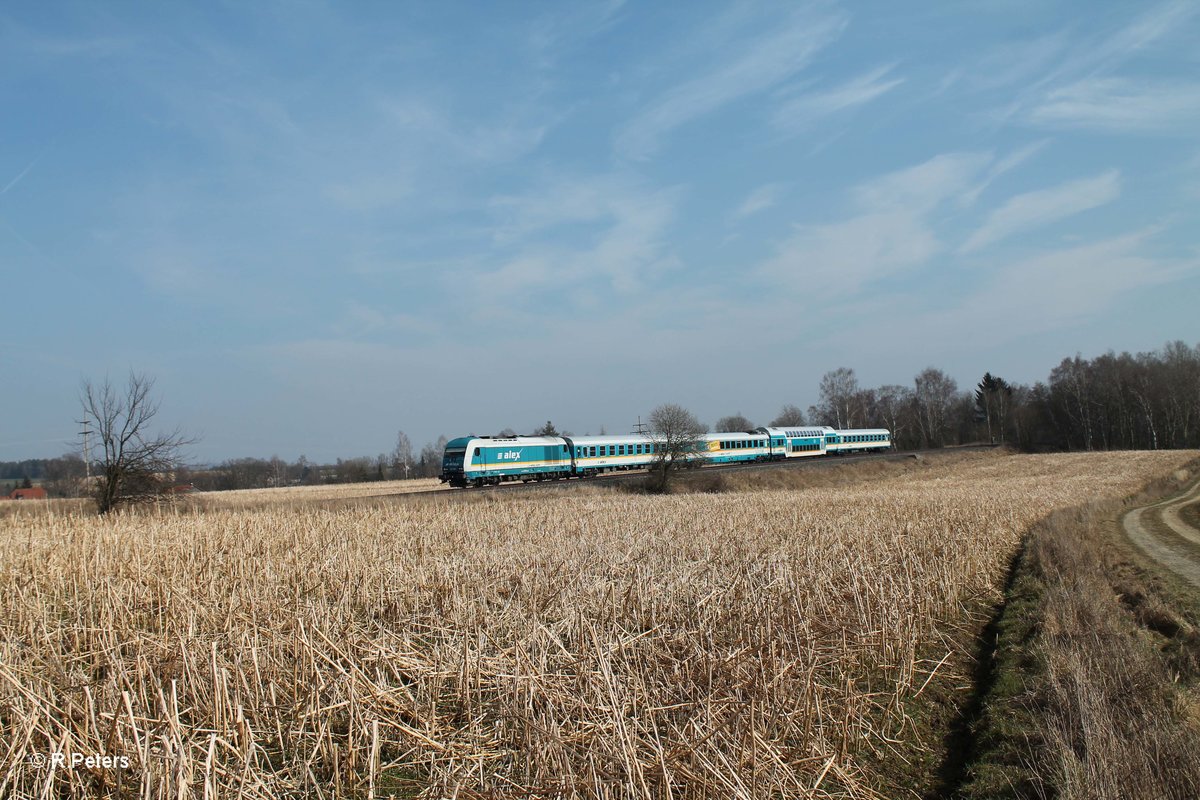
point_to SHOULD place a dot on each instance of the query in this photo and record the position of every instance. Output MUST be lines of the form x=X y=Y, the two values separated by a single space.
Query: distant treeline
x=1146 y=401
x=258 y=473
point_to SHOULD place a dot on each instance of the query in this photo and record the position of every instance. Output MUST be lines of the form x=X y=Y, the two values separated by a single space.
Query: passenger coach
x=484 y=460
x=865 y=440
x=796 y=442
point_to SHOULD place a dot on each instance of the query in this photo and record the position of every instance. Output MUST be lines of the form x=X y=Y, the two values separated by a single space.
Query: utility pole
x=640 y=427
x=87 y=451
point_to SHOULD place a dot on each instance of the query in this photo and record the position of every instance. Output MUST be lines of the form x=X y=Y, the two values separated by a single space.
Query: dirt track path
x=1161 y=532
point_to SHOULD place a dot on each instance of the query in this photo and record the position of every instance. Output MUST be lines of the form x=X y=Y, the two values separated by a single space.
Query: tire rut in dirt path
x=1160 y=531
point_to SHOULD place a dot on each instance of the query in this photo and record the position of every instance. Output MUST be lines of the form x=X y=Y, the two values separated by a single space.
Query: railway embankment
x=1089 y=675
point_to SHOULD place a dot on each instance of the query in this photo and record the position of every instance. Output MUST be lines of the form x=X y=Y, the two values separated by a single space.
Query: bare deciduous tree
x=676 y=434
x=790 y=416
x=136 y=464
x=839 y=398
x=402 y=456
x=733 y=424
x=935 y=393
x=894 y=410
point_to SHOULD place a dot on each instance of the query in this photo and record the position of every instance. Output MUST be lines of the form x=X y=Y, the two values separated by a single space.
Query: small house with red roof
x=36 y=493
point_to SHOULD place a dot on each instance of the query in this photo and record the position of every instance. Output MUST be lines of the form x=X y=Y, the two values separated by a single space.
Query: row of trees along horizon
x=1144 y=401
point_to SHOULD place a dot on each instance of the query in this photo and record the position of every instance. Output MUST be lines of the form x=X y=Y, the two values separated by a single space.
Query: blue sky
x=316 y=223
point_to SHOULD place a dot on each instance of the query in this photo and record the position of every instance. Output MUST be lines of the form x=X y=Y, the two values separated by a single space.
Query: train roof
x=799 y=431
x=636 y=438
x=503 y=441
x=862 y=431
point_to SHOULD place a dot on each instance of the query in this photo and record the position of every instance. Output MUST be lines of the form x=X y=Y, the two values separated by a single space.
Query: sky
x=315 y=224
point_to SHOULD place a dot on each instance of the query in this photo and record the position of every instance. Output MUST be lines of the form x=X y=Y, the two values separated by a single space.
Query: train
x=490 y=460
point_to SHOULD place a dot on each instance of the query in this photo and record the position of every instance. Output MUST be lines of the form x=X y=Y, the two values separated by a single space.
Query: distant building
x=36 y=493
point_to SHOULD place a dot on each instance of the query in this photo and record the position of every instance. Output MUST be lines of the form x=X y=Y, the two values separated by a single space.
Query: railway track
x=618 y=477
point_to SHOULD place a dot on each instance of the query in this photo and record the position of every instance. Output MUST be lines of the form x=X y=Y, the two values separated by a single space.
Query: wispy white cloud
x=1073 y=82
x=889 y=233
x=626 y=220
x=1014 y=63
x=362 y=320
x=567 y=25
x=1006 y=164
x=800 y=111
x=1097 y=56
x=760 y=64
x=839 y=258
x=1073 y=285
x=19 y=176
x=1044 y=207
x=39 y=44
x=758 y=200
x=1159 y=22
x=1121 y=105
x=925 y=185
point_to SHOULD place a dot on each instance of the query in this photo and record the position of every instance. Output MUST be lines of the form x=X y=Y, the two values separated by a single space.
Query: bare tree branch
x=676 y=434
x=137 y=465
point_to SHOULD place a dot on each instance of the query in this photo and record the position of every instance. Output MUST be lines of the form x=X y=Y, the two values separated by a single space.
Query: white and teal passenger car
x=485 y=460
x=861 y=440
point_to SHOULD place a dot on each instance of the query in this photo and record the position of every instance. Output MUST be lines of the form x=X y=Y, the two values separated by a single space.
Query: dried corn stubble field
x=566 y=644
x=286 y=495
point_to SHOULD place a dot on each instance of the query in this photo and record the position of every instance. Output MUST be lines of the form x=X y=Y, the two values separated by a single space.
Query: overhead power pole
x=87 y=451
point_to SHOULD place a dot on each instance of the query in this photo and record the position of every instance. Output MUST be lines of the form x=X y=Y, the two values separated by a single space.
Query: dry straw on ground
x=575 y=644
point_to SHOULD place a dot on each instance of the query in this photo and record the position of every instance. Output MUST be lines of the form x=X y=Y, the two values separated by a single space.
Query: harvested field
x=569 y=644
x=288 y=495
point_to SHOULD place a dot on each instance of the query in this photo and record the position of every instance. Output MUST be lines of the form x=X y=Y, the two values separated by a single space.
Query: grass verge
x=1095 y=668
